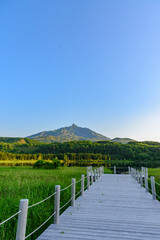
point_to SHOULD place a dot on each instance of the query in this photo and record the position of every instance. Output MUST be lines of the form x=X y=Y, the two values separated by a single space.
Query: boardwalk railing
x=141 y=177
x=118 y=170
x=23 y=206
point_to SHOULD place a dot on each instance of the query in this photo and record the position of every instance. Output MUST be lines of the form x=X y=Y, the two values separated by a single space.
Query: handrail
x=157 y=195
x=66 y=187
x=66 y=203
x=150 y=189
x=40 y=225
x=144 y=171
x=10 y=218
x=55 y=211
x=86 y=186
x=79 y=180
x=148 y=179
x=78 y=193
x=117 y=167
x=42 y=200
x=157 y=183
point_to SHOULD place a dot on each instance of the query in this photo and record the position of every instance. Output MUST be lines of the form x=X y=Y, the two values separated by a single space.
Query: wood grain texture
x=115 y=207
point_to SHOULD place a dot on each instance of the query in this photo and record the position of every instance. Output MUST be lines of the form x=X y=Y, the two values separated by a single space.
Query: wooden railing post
x=97 y=173
x=22 y=219
x=73 y=190
x=56 y=204
x=141 y=179
x=82 y=185
x=137 y=176
x=147 y=172
x=142 y=170
x=134 y=173
x=95 y=177
x=129 y=170
x=88 y=181
x=146 y=182
x=92 y=177
x=100 y=171
x=114 y=169
x=153 y=188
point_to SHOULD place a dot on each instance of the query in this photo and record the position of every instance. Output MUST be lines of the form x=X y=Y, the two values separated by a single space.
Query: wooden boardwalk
x=115 y=207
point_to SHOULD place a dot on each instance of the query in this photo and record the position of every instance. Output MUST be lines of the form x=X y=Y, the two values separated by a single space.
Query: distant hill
x=66 y=134
x=17 y=141
x=123 y=140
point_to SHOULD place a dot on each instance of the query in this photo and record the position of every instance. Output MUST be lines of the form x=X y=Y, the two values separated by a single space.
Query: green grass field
x=36 y=184
x=33 y=184
x=156 y=173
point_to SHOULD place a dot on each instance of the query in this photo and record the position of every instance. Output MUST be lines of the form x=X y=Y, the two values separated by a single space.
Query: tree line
x=85 y=152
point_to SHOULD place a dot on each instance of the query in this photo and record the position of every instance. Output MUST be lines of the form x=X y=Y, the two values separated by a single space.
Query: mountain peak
x=74 y=125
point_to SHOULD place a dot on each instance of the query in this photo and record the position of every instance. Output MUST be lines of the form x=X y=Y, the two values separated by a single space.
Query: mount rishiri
x=74 y=133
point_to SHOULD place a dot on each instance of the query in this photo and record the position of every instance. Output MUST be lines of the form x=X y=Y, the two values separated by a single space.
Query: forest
x=82 y=153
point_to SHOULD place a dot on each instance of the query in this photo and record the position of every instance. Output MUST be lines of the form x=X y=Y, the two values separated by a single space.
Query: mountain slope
x=65 y=134
x=17 y=140
x=122 y=140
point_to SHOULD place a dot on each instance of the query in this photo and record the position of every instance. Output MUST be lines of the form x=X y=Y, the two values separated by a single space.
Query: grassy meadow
x=33 y=184
x=156 y=173
x=36 y=184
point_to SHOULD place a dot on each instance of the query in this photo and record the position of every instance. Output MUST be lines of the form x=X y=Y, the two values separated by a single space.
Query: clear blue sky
x=95 y=63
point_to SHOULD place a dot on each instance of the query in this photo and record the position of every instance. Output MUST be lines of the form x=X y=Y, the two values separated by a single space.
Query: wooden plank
x=115 y=207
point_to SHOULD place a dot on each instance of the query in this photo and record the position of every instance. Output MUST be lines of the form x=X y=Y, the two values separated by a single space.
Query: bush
x=39 y=164
x=54 y=164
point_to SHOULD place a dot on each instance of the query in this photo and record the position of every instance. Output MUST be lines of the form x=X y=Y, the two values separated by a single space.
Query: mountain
x=65 y=134
x=122 y=140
